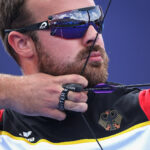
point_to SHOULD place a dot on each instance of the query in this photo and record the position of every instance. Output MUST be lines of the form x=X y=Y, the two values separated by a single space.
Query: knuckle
x=85 y=97
x=50 y=102
x=77 y=107
x=71 y=106
x=53 y=90
x=79 y=79
x=77 y=97
x=81 y=97
x=83 y=107
x=56 y=114
x=75 y=78
x=61 y=117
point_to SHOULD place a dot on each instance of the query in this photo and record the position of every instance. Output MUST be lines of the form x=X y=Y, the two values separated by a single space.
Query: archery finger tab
x=73 y=87
x=73 y=79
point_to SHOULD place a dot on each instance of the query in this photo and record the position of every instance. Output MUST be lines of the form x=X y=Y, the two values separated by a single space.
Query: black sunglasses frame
x=45 y=25
x=38 y=26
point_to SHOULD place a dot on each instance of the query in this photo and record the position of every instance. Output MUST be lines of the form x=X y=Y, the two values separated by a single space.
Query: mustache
x=85 y=52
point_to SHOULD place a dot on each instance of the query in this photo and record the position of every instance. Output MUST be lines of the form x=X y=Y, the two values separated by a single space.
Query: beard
x=95 y=72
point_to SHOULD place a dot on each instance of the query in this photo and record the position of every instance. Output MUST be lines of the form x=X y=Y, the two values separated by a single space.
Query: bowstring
x=83 y=70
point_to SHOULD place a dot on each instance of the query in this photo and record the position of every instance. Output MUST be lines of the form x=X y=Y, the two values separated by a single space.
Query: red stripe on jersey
x=1 y=115
x=144 y=100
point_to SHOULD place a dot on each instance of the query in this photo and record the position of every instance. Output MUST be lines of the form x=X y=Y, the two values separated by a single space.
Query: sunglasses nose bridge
x=91 y=30
x=98 y=28
x=89 y=35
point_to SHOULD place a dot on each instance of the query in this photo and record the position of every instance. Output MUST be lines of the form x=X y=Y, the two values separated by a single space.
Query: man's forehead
x=41 y=9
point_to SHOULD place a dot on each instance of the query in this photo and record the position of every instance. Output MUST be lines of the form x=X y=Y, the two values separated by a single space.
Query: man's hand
x=38 y=95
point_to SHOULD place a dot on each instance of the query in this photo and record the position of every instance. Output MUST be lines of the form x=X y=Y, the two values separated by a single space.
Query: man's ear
x=22 y=44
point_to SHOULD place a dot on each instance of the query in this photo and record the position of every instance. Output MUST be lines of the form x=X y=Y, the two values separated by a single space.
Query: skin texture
x=55 y=56
x=35 y=95
x=59 y=56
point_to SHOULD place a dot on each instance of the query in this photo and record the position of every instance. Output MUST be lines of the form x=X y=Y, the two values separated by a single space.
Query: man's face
x=58 y=56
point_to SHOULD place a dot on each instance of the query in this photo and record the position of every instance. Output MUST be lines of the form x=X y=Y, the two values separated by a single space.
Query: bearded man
x=55 y=37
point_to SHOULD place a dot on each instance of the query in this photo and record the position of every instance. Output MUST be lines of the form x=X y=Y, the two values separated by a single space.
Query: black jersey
x=116 y=119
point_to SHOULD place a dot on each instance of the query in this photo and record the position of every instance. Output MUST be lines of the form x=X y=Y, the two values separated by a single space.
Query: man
x=44 y=44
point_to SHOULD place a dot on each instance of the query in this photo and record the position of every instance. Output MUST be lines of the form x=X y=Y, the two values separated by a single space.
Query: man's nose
x=90 y=36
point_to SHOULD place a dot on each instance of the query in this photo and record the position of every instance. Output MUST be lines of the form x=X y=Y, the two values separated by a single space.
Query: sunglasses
x=70 y=24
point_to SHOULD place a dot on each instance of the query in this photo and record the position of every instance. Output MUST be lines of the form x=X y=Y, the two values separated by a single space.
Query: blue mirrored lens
x=72 y=31
x=74 y=24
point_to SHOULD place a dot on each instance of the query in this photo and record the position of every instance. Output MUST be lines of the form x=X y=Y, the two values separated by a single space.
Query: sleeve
x=1 y=115
x=144 y=100
x=1 y=118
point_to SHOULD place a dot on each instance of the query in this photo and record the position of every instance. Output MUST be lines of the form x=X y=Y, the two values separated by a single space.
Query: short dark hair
x=14 y=14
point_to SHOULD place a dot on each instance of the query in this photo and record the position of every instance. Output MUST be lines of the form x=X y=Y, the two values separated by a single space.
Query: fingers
x=77 y=107
x=54 y=114
x=77 y=96
x=72 y=79
x=76 y=102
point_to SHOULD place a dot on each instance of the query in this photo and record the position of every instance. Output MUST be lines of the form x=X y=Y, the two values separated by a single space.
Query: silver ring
x=62 y=98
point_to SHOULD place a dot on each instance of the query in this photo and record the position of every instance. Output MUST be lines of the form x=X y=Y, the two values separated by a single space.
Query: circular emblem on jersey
x=110 y=120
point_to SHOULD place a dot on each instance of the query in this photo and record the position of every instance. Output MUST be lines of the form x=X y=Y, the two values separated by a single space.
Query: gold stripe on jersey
x=147 y=123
